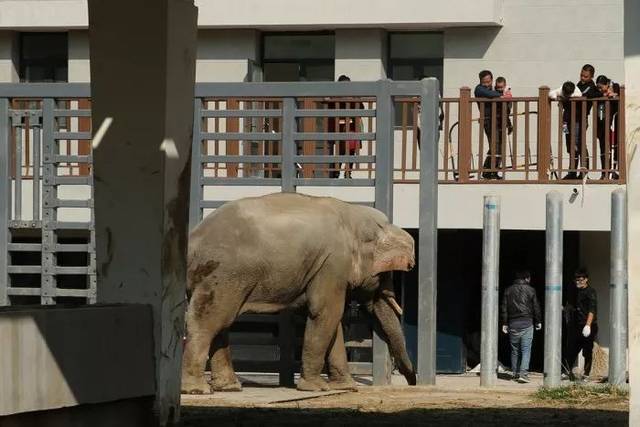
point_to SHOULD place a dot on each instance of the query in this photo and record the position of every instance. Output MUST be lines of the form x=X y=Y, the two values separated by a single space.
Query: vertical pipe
x=428 y=237
x=288 y=145
x=384 y=203
x=553 y=292
x=490 y=275
x=5 y=199
x=618 y=289
x=17 y=126
x=36 y=168
x=195 y=198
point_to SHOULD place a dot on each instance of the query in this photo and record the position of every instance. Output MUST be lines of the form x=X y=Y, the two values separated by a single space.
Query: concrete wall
x=361 y=54
x=225 y=56
x=79 y=71
x=275 y=13
x=57 y=357
x=541 y=42
x=8 y=70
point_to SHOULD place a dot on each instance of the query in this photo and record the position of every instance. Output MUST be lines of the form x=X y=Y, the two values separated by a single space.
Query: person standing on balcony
x=344 y=124
x=563 y=94
x=519 y=312
x=583 y=327
x=608 y=89
x=485 y=90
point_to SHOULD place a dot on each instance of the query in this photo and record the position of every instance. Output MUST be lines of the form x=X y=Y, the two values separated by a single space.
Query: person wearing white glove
x=585 y=330
x=519 y=312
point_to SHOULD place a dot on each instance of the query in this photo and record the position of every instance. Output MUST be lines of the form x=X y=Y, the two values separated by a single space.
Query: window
x=413 y=56
x=43 y=57
x=298 y=57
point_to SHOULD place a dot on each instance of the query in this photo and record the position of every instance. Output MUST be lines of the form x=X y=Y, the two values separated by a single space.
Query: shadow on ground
x=197 y=416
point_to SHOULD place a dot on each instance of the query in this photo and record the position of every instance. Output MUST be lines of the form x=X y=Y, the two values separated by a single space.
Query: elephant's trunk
x=387 y=321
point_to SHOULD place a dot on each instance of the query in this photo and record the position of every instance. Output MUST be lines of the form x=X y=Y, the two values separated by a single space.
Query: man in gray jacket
x=519 y=312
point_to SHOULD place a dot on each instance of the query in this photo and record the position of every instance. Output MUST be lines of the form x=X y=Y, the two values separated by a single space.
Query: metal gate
x=248 y=139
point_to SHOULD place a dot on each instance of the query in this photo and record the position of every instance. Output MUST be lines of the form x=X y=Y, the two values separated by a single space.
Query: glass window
x=298 y=57
x=413 y=56
x=43 y=57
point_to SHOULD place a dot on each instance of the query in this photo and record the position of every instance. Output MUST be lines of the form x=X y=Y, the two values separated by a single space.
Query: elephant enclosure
x=455 y=401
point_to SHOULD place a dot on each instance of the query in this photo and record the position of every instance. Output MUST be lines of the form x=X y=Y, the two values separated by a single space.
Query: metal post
x=288 y=145
x=618 y=289
x=553 y=292
x=49 y=200
x=384 y=203
x=428 y=237
x=16 y=125
x=195 y=198
x=34 y=121
x=490 y=275
x=5 y=205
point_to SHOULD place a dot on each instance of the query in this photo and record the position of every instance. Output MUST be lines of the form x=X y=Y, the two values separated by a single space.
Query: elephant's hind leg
x=222 y=376
x=210 y=312
x=338 y=366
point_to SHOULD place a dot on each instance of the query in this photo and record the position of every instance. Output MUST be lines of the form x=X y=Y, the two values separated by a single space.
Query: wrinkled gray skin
x=264 y=254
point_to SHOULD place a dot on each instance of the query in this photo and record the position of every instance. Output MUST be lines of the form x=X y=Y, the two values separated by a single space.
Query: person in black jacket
x=611 y=90
x=584 y=328
x=485 y=90
x=589 y=90
x=519 y=312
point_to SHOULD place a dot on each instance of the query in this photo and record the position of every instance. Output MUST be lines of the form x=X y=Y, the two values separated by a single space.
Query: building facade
x=532 y=43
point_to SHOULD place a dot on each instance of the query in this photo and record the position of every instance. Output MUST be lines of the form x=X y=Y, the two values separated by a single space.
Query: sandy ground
x=454 y=401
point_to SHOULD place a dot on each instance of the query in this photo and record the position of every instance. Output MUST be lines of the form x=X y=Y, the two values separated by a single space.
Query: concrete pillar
x=553 y=291
x=632 y=70
x=142 y=78
x=490 y=276
x=361 y=54
x=228 y=55
x=78 y=49
x=618 y=287
x=8 y=62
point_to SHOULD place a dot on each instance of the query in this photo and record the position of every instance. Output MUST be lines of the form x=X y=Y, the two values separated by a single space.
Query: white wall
x=8 y=72
x=542 y=42
x=361 y=54
x=225 y=55
x=79 y=57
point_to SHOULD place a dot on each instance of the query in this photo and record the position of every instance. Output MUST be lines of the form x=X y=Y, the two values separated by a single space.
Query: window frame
x=303 y=63
x=24 y=63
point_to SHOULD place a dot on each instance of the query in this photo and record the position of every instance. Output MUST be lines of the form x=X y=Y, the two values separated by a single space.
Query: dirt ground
x=403 y=406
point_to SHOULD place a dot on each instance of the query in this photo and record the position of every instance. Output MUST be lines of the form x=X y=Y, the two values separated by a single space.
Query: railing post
x=195 y=198
x=428 y=233
x=490 y=273
x=5 y=197
x=288 y=145
x=49 y=198
x=618 y=289
x=621 y=136
x=544 y=134
x=464 y=134
x=384 y=203
x=553 y=291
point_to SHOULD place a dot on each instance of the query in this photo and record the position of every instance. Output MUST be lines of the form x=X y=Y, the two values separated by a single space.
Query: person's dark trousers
x=498 y=146
x=520 y=340
x=613 y=149
x=576 y=135
x=578 y=343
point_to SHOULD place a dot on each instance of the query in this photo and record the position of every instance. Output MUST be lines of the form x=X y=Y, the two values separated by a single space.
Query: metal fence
x=248 y=138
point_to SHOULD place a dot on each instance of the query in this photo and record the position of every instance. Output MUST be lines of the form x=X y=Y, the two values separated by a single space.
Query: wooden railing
x=515 y=140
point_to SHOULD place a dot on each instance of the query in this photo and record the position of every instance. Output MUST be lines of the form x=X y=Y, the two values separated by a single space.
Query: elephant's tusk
x=394 y=304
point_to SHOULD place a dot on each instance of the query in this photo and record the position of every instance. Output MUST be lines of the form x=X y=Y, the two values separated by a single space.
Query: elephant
x=286 y=251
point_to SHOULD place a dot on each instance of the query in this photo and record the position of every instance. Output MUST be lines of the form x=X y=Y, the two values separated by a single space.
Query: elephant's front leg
x=339 y=376
x=320 y=331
